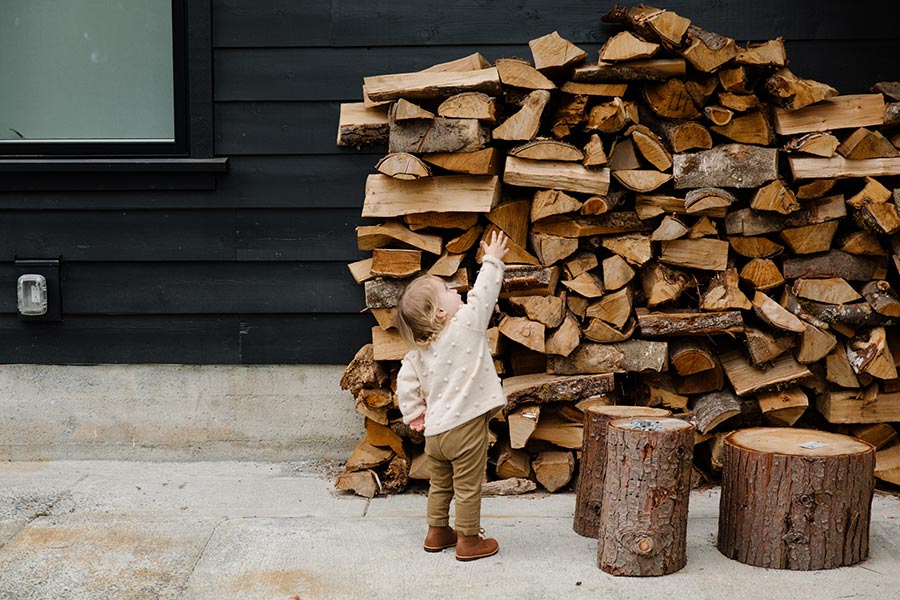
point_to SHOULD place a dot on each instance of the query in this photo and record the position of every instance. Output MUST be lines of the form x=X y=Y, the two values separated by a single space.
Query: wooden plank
x=389 y=197
x=430 y=85
x=839 y=112
x=840 y=167
x=556 y=175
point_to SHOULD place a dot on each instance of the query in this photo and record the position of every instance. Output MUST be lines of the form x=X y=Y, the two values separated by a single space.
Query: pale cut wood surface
x=431 y=84
x=556 y=175
x=745 y=378
x=389 y=197
x=840 y=167
x=839 y=112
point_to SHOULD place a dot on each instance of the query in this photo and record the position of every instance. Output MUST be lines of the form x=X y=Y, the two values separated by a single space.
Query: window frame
x=180 y=147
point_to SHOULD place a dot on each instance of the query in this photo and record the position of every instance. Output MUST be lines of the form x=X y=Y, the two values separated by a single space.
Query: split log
x=510 y=486
x=662 y=284
x=363 y=372
x=671 y=100
x=830 y=291
x=764 y=347
x=765 y=54
x=524 y=331
x=470 y=105
x=402 y=110
x=755 y=247
x=651 y=147
x=369 y=237
x=873 y=192
x=641 y=180
x=570 y=113
x=783 y=407
x=840 y=167
x=522 y=422
x=513 y=462
x=586 y=284
x=718 y=115
x=761 y=274
x=776 y=197
x=512 y=218
x=553 y=52
x=625 y=46
x=728 y=165
x=880 y=435
x=599 y=331
x=651 y=539
x=753 y=128
x=776 y=315
x=869 y=353
x=859 y=406
x=862 y=242
x=524 y=124
x=812 y=238
x=594 y=155
x=659 y=69
x=648 y=207
x=838 y=112
x=551 y=249
x=527 y=280
x=548 y=150
x=616 y=272
x=556 y=175
x=881 y=218
x=361 y=270
x=359 y=125
x=633 y=355
x=362 y=483
x=792 y=93
x=622 y=155
x=396 y=263
x=723 y=293
x=633 y=247
x=705 y=254
x=465 y=240
x=559 y=431
x=605 y=224
x=832 y=264
x=553 y=469
x=702 y=200
x=583 y=261
x=548 y=310
x=783 y=519
x=471 y=62
x=882 y=297
x=540 y=388
x=817 y=143
x=446 y=265
x=565 y=339
x=887 y=465
x=665 y=324
x=669 y=229
x=815 y=188
x=388 y=345
x=427 y=85
x=704 y=382
x=614 y=308
x=739 y=102
x=548 y=203
x=606 y=90
x=691 y=356
x=686 y=135
x=518 y=73
x=607 y=117
x=592 y=471
x=438 y=135
x=713 y=409
x=706 y=50
x=864 y=143
x=389 y=197
x=440 y=220
x=480 y=162
x=746 y=379
x=814 y=344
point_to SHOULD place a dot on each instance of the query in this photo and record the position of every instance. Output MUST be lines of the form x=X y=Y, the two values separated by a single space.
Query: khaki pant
x=457 y=459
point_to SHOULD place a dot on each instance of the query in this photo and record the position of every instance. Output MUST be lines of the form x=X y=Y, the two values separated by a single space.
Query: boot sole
x=438 y=548
x=475 y=557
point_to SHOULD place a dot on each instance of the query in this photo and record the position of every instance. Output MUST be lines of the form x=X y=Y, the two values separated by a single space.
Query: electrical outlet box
x=38 y=289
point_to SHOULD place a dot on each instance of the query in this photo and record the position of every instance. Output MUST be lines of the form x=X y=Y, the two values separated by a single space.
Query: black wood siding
x=255 y=271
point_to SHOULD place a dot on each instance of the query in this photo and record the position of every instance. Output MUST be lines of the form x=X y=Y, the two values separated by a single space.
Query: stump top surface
x=797 y=442
x=657 y=424
x=622 y=412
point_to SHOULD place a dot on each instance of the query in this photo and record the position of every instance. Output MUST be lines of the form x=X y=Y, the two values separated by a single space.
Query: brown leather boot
x=439 y=538
x=473 y=547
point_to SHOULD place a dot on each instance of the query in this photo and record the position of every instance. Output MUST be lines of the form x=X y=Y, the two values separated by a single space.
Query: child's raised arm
x=483 y=295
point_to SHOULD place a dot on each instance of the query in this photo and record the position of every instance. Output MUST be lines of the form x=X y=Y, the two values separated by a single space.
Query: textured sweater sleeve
x=409 y=391
x=483 y=295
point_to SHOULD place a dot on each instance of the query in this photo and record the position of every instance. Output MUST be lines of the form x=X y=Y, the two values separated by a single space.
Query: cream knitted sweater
x=453 y=379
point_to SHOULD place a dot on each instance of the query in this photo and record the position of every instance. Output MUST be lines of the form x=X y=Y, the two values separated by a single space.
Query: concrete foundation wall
x=176 y=412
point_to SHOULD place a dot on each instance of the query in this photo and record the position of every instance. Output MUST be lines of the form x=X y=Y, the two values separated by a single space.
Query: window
x=93 y=78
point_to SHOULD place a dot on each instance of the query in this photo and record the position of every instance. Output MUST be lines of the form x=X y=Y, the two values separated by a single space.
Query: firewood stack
x=693 y=226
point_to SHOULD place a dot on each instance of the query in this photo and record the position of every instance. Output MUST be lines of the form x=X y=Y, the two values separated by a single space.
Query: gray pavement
x=259 y=531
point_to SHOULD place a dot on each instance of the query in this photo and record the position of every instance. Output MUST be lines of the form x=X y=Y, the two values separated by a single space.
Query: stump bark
x=643 y=525
x=796 y=499
x=592 y=469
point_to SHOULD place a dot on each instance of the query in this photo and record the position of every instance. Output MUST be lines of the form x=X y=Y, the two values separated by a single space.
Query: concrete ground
x=262 y=531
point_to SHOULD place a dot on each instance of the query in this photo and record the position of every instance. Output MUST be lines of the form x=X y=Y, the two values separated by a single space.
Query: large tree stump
x=592 y=469
x=796 y=499
x=643 y=526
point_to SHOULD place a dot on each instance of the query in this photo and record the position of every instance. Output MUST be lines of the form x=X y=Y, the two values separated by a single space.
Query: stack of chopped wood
x=693 y=226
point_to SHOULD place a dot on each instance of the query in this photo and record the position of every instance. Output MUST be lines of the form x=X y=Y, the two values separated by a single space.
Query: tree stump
x=592 y=469
x=643 y=526
x=796 y=499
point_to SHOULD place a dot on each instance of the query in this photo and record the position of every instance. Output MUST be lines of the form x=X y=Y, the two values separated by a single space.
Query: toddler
x=447 y=387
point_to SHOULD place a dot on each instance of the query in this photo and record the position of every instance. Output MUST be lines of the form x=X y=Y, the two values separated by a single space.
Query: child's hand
x=497 y=246
x=418 y=424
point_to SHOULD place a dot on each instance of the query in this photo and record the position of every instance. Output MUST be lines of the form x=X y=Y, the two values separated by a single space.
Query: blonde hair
x=417 y=318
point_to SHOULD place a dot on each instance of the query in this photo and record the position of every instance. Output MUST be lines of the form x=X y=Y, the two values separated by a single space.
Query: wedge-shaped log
x=470 y=105
x=833 y=290
x=864 y=143
x=783 y=407
x=396 y=262
x=723 y=293
x=868 y=352
x=765 y=54
x=706 y=50
x=626 y=46
x=487 y=161
x=390 y=197
x=670 y=99
x=524 y=125
x=360 y=125
x=552 y=51
x=728 y=165
x=548 y=150
x=746 y=379
x=556 y=175
x=518 y=73
x=428 y=85
x=792 y=93
x=817 y=143
x=775 y=315
x=706 y=254
x=369 y=237
x=402 y=165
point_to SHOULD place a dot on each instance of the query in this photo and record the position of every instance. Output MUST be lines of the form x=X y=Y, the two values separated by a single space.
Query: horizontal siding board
x=313 y=181
x=317 y=339
x=214 y=235
x=199 y=288
x=850 y=66
x=95 y=340
x=271 y=22
x=353 y=23
x=326 y=235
